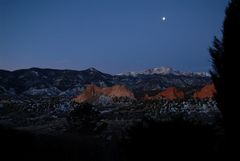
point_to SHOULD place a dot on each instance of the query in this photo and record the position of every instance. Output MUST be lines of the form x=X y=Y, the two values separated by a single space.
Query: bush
x=149 y=140
x=83 y=117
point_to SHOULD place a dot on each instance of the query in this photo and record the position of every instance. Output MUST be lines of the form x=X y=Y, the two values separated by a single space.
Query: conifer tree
x=225 y=56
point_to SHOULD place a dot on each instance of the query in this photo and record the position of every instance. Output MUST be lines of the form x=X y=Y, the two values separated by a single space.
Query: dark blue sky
x=111 y=35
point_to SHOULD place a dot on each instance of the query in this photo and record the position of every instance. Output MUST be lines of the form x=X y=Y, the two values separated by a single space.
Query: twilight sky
x=111 y=35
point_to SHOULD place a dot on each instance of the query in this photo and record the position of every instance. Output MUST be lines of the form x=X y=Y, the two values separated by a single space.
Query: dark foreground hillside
x=146 y=140
x=22 y=145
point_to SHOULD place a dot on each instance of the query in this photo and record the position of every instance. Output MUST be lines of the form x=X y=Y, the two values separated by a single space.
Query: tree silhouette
x=225 y=70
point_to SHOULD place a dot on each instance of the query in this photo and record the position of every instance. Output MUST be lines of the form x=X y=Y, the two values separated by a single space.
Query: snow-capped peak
x=164 y=71
x=203 y=74
x=134 y=74
x=161 y=70
x=151 y=71
x=92 y=69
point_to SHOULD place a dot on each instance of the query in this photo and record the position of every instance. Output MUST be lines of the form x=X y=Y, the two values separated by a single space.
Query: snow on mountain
x=133 y=74
x=45 y=91
x=203 y=74
x=164 y=71
x=161 y=70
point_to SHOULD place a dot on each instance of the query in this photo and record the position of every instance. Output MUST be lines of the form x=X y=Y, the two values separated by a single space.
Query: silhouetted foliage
x=151 y=140
x=225 y=69
x=20 y=145
x=14 y=143
x=83 y=118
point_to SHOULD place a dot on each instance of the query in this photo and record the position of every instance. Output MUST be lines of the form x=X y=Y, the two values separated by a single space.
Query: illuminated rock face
x=207 y=91
x=118 y=91
x=170 y=93
x=94 y=91
x=90 y=92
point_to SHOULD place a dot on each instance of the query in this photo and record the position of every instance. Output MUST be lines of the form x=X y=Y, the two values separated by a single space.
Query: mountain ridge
x=164 y=71
x=38 y=81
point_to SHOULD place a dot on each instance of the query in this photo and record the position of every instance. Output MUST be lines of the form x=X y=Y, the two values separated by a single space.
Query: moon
x=164 y=19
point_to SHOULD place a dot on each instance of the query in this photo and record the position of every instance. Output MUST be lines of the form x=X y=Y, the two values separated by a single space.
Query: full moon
x=164 y=18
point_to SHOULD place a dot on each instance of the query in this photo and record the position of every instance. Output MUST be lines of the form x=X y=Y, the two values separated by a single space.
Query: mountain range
x=52 y=82
x=165 y=71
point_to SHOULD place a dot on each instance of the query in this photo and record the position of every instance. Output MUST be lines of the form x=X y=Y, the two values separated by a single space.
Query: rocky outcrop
x=94 y=91
x=88 y=93
x=118 y=91
x=207 y=91
x=170 y=93
x=147 y=97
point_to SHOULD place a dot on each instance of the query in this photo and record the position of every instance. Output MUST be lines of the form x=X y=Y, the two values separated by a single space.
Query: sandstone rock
x=95 y=91
x=207 y=91
x=170 y=93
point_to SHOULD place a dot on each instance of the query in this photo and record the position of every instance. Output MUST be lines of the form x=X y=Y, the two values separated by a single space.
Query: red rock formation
x=90 y=91
x=147 y=97
x=170 y=93
x=118 y=91
x=114 y=91
x=207 y=91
